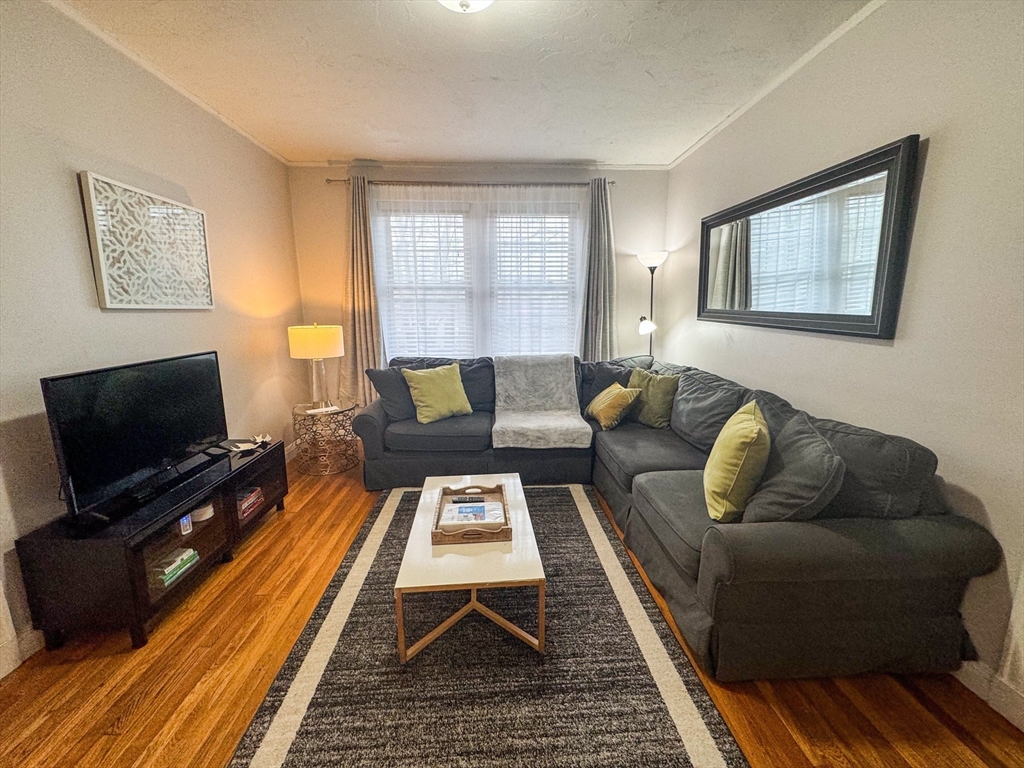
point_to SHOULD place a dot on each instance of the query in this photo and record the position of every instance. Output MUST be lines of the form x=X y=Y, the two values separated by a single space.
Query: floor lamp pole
x=650 y=340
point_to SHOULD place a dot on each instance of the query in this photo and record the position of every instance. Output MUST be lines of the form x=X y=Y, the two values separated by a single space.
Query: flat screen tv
x=120 y=434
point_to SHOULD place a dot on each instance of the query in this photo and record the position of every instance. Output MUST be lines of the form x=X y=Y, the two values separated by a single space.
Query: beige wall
x=321 y=217
x=953 y=377
x=68 y=102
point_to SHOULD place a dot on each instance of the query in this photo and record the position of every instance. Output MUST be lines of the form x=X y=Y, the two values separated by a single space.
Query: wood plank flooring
x=186 y=698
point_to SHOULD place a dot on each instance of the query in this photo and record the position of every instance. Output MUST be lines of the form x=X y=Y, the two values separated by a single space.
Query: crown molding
x=92 y=28
x=793 y=68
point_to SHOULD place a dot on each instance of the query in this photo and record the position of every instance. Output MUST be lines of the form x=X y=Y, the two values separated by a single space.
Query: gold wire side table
x=325 y=442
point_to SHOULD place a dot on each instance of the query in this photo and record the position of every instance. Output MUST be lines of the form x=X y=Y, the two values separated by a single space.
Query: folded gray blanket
x=536 y=404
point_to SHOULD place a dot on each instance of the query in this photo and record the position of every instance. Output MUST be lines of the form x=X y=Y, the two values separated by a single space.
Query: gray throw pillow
x=802 y=476
x=393 y=391
x=703 y=403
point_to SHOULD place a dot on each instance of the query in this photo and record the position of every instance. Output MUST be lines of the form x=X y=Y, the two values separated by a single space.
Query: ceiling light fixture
x=465 y=6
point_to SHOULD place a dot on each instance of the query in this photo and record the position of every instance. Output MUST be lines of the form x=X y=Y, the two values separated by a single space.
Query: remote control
x=467 y=499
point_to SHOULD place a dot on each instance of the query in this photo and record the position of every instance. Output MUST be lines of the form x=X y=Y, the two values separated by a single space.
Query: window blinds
x=819 y=254
x=465 y=271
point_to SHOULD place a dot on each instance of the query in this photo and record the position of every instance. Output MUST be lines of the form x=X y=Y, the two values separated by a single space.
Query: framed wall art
x=148 y=252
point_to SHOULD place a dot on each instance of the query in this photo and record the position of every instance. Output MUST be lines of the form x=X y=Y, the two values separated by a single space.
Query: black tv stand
x=122 y=574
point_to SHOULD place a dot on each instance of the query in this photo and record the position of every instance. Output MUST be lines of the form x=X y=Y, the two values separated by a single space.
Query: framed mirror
x=826 y=253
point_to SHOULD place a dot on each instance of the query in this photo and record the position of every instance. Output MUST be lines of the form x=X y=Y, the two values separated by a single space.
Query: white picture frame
x=148 y=252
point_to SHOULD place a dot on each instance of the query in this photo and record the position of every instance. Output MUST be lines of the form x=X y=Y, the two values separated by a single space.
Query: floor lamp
x=314 y=343
x=652 y=261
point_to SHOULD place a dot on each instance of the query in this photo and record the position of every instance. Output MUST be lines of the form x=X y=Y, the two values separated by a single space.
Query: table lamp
x=314 y=343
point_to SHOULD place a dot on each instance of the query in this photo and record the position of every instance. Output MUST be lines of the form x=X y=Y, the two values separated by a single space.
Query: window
x=466 y=271
x=789 y=247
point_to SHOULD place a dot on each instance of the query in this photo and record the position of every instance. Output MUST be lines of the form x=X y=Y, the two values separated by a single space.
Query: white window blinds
x=819 y=254
x=465 y=271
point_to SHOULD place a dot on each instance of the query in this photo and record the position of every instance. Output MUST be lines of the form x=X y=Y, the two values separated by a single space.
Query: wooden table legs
x=537 y=643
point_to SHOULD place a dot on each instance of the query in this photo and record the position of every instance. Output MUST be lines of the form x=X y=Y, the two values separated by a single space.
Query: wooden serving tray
x=471 y=535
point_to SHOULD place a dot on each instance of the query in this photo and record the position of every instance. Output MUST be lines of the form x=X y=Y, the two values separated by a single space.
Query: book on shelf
x=249 y=500
x=174 y=565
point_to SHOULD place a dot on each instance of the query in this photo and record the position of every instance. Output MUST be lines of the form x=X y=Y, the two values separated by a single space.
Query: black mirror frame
x=900 y=160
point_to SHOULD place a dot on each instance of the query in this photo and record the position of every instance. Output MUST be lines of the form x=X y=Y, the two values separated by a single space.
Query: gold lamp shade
x=315 y=342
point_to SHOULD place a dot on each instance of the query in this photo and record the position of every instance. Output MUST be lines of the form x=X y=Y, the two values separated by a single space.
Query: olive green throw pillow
x=656 y=395
x=736 y=463
x=437 y=393
x=608 y=408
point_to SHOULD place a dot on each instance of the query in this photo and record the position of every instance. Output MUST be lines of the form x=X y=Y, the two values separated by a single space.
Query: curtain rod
x=473 y=183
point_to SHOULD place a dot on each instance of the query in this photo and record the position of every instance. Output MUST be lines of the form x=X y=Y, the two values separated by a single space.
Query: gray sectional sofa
x=872 y=582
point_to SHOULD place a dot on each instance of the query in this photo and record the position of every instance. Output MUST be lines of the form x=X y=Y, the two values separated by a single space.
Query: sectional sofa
x=873 y=582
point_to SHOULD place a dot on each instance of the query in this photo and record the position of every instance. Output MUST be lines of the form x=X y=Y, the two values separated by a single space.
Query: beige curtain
x=599 y=341
x=364 y=317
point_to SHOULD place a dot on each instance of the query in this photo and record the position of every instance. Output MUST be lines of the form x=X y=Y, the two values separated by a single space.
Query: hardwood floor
x=186 y=698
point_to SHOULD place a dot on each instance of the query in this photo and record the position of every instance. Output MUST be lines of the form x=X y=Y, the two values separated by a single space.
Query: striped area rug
x=613 y=689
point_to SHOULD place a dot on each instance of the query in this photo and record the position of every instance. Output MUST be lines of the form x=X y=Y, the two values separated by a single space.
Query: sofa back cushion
x=886 y=476
x=477 y=377
x=670 y=369
x=776 y=411
x=702 y=405
x=634 y=361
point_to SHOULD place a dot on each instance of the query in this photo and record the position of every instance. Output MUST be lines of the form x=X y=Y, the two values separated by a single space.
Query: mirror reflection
x=818 y=254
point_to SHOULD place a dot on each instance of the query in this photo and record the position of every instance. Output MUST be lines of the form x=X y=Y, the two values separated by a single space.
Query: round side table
x=325 y=442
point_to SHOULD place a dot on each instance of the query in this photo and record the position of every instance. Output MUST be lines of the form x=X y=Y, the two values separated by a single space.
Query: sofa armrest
x=945 y=547
x=370 y=424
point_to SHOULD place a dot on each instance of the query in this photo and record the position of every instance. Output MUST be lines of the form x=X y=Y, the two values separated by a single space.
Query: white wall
x=321 y=218
x=953 y=377
x=68 y=102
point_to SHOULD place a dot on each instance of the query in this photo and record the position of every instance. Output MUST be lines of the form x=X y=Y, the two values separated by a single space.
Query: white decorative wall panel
x=148 y=252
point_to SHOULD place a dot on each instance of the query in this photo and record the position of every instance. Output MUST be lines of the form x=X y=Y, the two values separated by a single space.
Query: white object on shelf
x=202 y=513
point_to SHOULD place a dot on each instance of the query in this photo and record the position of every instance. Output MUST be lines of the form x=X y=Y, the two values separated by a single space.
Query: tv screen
x=120 y=429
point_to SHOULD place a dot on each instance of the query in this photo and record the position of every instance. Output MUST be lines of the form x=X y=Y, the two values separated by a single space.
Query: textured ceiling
x=526 y=80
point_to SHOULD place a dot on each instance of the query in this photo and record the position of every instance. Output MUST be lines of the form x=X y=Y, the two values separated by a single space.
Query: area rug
x=614 y=687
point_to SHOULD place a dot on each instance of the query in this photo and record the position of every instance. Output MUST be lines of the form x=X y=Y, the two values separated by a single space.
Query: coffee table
x=457 y=567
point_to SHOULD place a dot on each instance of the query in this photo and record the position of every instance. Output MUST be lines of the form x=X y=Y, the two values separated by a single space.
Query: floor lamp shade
x=314 y=343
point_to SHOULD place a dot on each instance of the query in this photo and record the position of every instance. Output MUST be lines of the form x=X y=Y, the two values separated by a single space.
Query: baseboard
x=289 y=451
x=996 y=692
x=15 y=651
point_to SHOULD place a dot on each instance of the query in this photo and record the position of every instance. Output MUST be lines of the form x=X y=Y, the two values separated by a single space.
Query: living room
x=292 y=128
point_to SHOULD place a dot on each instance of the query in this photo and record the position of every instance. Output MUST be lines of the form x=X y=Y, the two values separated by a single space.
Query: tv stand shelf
x=123 y=575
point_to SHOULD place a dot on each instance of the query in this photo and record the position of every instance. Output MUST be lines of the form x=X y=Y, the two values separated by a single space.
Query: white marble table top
x=426 y=566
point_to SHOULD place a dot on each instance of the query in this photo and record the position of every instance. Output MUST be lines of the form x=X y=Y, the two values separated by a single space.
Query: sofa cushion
x=670 y=369
x=477 y=376
x=634 y=361
x=632 y=449
x=610 y=406
x=437 y=393
x=393 y=392
x=886 y=475
x=736 y=463
x=803 y=474
x=703 y=403
x=672 y=505
x=597 y=377
x=459 y=433
x=776 y=411
x=657 y=393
